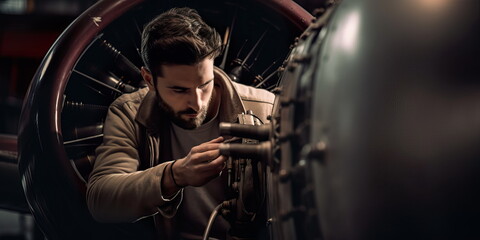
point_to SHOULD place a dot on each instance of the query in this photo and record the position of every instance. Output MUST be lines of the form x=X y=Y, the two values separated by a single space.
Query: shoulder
x=251 y=94
x=120 y=118
x=130 y=100
x=259 y=101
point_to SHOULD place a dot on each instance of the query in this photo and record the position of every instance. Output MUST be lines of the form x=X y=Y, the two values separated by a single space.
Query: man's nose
x=194 y=100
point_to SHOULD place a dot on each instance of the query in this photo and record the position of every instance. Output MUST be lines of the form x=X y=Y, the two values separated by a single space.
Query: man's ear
x=148 y=78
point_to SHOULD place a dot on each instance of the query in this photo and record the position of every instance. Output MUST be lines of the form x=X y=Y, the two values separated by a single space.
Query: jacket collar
x=153 y=118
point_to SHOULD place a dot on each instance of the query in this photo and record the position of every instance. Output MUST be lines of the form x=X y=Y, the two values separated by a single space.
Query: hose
x=212 y=218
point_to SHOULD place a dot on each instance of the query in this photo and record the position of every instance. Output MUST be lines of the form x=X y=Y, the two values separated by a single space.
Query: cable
x=212 y=218
x=255 y=116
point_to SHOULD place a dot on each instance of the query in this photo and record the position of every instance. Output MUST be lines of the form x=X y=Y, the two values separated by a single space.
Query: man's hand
x=202 y=164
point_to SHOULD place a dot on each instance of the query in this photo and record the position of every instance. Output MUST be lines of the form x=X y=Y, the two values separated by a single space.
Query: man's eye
x=179 y=90
x=204 y=86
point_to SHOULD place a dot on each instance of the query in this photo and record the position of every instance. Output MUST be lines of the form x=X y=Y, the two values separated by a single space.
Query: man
x=160 y=152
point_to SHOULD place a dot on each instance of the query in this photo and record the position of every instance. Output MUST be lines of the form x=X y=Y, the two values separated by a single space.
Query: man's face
x=186 y=91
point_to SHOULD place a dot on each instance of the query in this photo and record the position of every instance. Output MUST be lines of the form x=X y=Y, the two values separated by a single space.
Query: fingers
x=216 y=140
x=215 y=166
x=205 y=161
x=210 y=145
x=219 y=162
x=206 y=156
x=205 y=147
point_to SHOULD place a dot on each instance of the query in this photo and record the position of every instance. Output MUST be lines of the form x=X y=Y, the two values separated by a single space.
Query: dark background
x=27 y=30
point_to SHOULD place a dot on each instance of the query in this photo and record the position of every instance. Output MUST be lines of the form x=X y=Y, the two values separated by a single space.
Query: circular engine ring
x=54 y=189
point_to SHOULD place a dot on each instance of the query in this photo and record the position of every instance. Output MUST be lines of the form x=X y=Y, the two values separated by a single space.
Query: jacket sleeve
x=116 y=190
x=260 y=101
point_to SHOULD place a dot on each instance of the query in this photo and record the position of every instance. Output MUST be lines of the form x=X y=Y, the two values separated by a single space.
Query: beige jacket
x=124 y=185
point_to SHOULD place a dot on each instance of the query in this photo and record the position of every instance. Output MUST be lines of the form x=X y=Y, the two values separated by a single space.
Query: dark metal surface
x=387 y=98
x=402 y=121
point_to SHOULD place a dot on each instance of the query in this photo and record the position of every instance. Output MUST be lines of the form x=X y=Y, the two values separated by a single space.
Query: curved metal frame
x=43 y=163
x=42 y=158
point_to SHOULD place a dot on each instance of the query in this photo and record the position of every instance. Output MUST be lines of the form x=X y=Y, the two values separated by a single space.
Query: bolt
x=269 y=222
x=318 y=12
x=284 y=175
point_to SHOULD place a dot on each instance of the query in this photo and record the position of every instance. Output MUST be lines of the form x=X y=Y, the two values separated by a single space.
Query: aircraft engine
x=375 y=133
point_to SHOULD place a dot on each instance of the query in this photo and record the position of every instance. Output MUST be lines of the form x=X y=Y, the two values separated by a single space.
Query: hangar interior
x=373 y=135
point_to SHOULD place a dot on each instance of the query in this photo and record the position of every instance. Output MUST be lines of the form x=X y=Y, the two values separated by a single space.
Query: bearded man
x=160 y=154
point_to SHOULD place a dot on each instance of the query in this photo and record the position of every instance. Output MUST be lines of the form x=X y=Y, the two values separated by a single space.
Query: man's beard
x=176 y=117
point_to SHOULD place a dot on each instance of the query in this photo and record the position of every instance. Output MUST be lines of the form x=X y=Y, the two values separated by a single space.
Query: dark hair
x=178 y=36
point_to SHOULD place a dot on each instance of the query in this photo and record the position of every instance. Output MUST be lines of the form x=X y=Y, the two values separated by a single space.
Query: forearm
x=126 y=197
